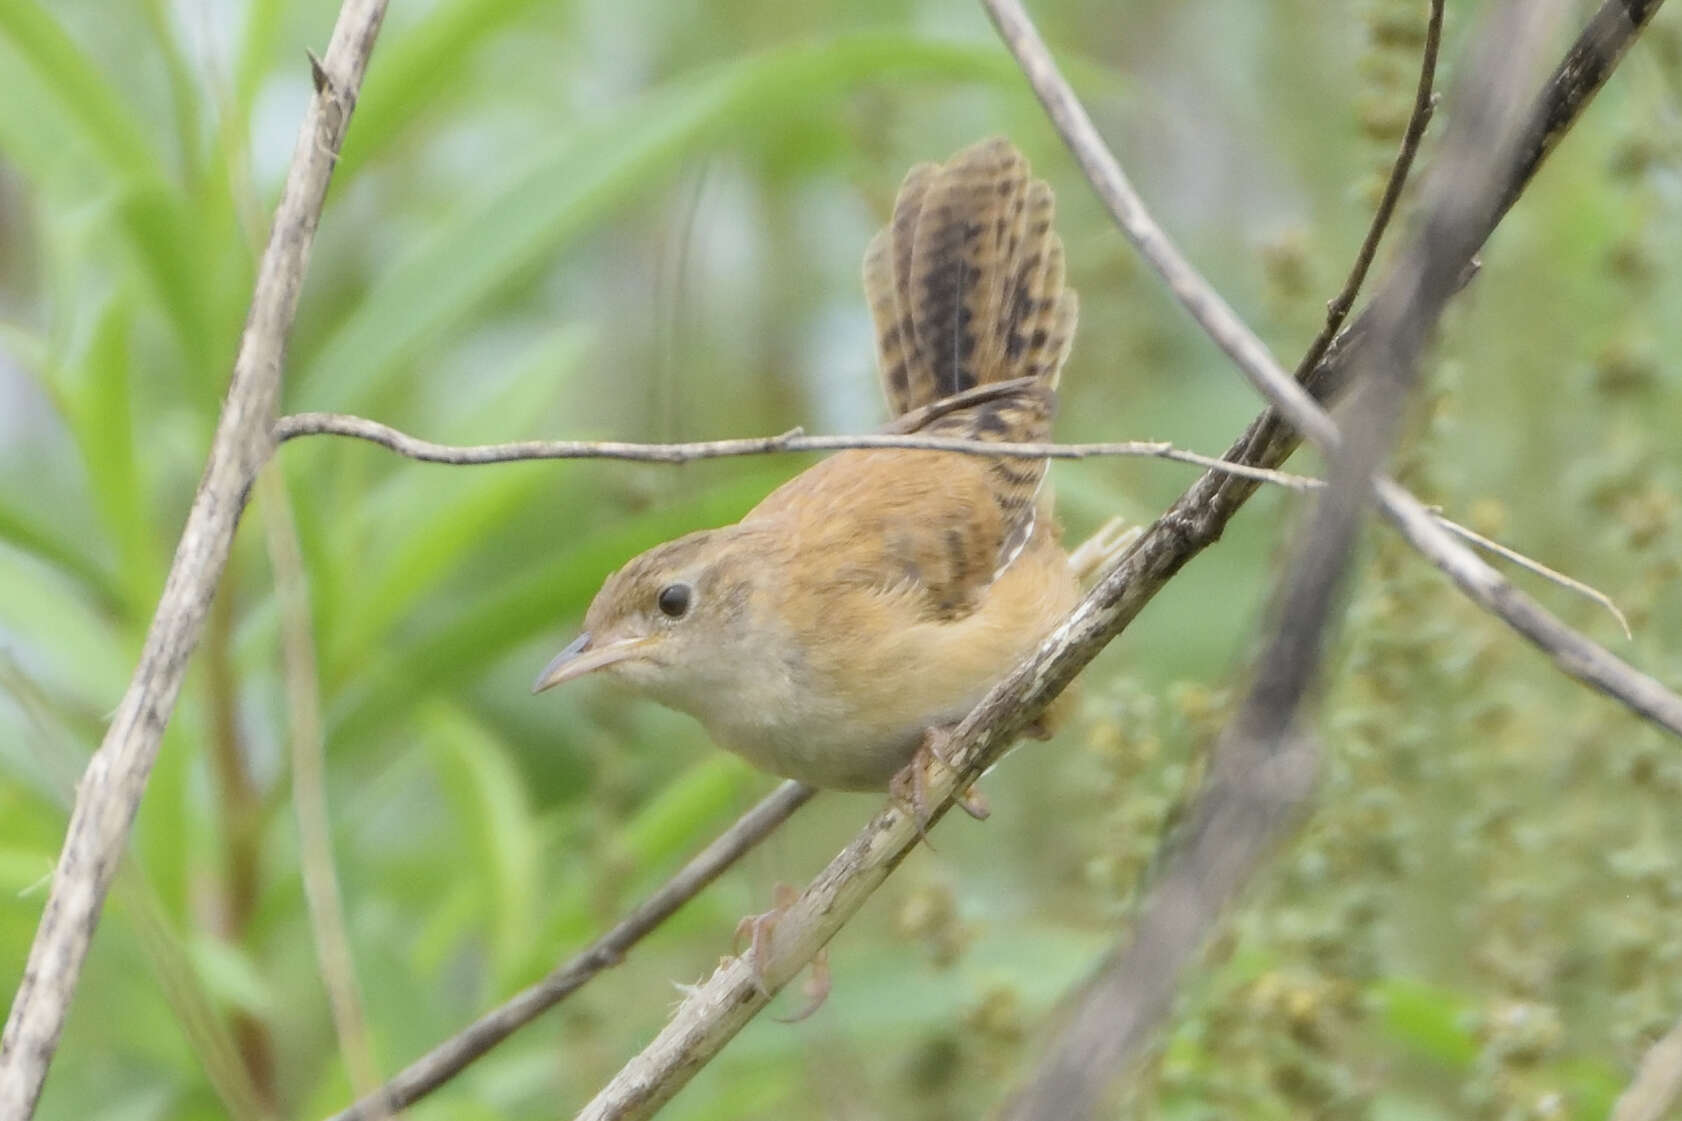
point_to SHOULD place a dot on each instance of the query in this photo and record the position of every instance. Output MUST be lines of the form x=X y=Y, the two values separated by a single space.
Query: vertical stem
x=239 y=809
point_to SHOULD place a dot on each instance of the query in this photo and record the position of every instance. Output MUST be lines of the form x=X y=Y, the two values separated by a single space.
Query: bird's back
x=966 y=287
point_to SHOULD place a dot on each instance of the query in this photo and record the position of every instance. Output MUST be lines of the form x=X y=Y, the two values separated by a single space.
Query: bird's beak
x=581 y=657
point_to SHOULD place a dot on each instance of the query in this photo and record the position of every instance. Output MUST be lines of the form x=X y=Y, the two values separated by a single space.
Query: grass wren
x=878 y=595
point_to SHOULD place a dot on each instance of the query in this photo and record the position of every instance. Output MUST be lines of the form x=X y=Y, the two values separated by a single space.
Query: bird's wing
x=894 y=522
x=966 y=286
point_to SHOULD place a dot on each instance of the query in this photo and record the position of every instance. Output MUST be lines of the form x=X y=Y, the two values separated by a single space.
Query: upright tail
x=966 y=283
x=966 y=288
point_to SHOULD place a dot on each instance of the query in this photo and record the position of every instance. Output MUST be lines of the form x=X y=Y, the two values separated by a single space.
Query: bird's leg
x=758 y=930
x=909 y=786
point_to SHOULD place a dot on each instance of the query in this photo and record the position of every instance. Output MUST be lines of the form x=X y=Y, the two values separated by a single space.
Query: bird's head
x=678 y=622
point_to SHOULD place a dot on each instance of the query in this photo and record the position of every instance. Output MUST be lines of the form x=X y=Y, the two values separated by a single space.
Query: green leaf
x=81 y=653
x=97 y=109
x=670 y=828
x=183 y=90
x=574 y=184
x=165 y=238
x=415 y=69
x=431 y=519
x=256 y=51
x=497 y=828
x=230 y=976
x=54 y=88
x=95 y=391
x=1430 y=1019
x=25 y=530
x=686 y=810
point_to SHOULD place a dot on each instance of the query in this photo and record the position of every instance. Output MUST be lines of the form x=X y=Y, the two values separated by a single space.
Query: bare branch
x=794 y=440
x=111 y=788
x=1264 y=763
x=1574 y=654
x=1424 y=103
x=452 y=1056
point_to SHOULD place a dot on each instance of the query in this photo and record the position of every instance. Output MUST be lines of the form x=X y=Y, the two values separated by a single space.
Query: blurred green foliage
x=643 y=220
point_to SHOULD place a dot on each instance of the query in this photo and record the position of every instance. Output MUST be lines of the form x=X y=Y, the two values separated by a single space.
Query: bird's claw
x=757 y=929
x=910 y=786
x=816 y=988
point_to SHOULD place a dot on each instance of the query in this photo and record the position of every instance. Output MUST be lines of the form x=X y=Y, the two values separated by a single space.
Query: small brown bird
x=877 y=596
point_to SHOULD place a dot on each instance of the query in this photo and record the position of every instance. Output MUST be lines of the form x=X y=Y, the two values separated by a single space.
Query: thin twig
x=109 y=793
x=1264 y=762
x=1657 y=1084
x=309 y=790
x=1419 y=117
x=1116 y=191
x=1530 y=564
x=452 y=1056
x=794 y=440
x=1574 y=654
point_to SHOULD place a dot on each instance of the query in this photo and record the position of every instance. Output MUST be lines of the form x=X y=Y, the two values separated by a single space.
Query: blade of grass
x=22 y=530
x=70 y=643
x=54 y=85
x=680 y=818
x=96 y=396
x=97 y=109
x=418 y=68
x=497 y=827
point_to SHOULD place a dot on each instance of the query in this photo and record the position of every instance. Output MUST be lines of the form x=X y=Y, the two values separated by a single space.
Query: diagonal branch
x=1264 y=762
x=111 y=788
x=453 y=1056
x=1572 y=653
x=719 y=1008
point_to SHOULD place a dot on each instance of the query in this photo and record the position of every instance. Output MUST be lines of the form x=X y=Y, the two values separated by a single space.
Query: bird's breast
x=843 y=703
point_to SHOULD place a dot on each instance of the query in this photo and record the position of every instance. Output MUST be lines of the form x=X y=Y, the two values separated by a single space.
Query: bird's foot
x=758 y=928
x=1096 y=553
x=816 y=988
x=910 y=786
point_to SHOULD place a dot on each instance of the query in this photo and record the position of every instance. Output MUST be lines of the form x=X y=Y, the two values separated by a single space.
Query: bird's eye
x=673 y=600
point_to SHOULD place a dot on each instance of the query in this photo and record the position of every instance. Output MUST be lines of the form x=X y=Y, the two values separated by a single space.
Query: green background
x=643 y=220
